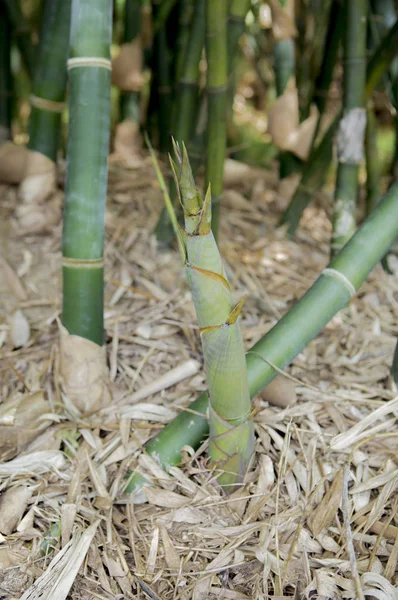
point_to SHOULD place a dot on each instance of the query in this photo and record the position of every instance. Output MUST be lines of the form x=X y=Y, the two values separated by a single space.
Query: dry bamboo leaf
x=127 y=67
x=377 y=586
x=14 y=283
x=57 y=580
x=148 y=412
x=34 y=463
x=83 y=371
x=153 y=551
x=13 y=504
x=300 y=140
x=236 y=172
x=127 y=143
x=21 y=421
x=186 y=369
x=165 y=498
x=19 y=329
x=283 y=116
x=13 y=162
x=170 y=553
x=40 y=179
x=280 y=392
x=283 y=26
x=325 y=512
x=353 y=435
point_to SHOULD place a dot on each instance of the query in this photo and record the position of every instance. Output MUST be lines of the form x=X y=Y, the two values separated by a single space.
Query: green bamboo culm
x=334 y=288
x=231 y=428
x=130 y=100
x=351 y=133
x=5 y=76
x=217 y=99
x=89 y=69
x=49 y=84
x=22 y=32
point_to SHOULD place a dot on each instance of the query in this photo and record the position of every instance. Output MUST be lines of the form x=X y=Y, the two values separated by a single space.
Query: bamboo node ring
x=89 y=61
x=342 y=278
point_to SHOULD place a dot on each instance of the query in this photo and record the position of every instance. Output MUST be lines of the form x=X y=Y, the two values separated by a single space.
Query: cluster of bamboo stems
x=75 y=45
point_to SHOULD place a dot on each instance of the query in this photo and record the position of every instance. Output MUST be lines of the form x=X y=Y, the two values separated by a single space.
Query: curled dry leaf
x=283 y=26
x=280 y=392
x=14 y=283
x=40 y=179
x=284 y=127
x=165 y=498
x=21 y=421
x=34 y=463
x=127 y=142
x=19 y=329
x=127 y=67
x=84 y=372
x=13 y=162
x=13 y=504
x=39 y=218
x=326 y=510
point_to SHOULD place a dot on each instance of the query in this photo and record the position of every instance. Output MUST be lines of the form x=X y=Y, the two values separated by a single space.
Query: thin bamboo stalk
x=5 y=76
x=22 y=31
x=231 y=428
x=217 y=97
x=351 y=133
x=184 y=28
x=188 y=84
x=373 y=175
x=377 y=66
x=89 y=70
x=330 y=293
x=130 y=101
x=330 y=55
x=50 y=78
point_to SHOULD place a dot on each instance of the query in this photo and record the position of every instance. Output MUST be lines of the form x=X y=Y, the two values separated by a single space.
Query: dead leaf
x=19 y=329
x=13 y=504
x=13 y=281
x=326 y=510
x=84 y=372
x=283 y=26
x=165 y=498
x=127 y=67
x=13 y=161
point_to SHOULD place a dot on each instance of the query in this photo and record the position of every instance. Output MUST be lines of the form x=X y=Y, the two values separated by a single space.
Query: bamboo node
x=89 y=61
x=45 y=104
x=342 y=278
x=97 y=263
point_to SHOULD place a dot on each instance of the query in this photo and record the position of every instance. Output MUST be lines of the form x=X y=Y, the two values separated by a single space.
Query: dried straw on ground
x=317 y=517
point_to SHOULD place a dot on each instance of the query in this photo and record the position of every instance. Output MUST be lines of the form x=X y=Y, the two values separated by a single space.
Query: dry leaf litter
x=317 y=517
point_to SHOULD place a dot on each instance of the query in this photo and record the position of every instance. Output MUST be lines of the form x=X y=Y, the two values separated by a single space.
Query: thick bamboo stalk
x=5 y=75
x=378 y=65
x=330 y=293
x=217 y=96
x=130 y=100
x=351 y=133
x=89 y=69
x=50 y=78
x=22 y=31
x=184 y=27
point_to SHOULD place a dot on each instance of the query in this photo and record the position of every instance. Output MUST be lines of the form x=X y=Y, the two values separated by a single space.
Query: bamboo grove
x=169 y=70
